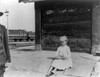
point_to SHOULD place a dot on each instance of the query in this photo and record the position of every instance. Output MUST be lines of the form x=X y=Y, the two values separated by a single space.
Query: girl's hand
x=57 y=57
x=63 y=58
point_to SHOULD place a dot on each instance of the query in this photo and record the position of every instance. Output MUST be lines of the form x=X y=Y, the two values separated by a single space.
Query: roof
x=25 y=1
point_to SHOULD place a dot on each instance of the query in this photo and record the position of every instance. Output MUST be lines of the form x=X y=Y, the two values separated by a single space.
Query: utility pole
x=7 y=15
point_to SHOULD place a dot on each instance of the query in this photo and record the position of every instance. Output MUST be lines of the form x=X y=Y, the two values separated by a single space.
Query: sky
x=21 y=15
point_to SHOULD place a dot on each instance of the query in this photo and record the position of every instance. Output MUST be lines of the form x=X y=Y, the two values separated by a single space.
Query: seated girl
x=63 y=57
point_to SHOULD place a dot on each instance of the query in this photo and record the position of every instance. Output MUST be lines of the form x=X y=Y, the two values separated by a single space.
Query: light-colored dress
x=63 y=51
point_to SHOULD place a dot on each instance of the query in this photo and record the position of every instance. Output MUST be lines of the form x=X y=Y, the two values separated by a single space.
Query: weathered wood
x=96 y=29
x=53 y=26
x=25 y=1
x=37 y=27
x=40 y=6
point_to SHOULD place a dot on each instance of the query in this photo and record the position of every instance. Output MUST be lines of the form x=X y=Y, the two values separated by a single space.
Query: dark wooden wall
x=53 y=26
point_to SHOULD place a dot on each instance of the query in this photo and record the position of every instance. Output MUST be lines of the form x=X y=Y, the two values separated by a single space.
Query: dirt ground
x=26 y=62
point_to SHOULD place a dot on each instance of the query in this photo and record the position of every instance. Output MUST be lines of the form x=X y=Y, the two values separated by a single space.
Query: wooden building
x=78 y=19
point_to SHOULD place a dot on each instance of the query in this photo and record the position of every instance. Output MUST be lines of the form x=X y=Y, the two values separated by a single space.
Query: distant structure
x=21 y=35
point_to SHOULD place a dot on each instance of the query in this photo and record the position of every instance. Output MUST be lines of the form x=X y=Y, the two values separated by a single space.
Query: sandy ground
x=29 y=63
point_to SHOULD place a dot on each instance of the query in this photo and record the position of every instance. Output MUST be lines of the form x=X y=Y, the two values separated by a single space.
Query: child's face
x=64 y=42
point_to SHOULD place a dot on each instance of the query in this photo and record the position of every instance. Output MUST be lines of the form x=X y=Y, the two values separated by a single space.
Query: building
x=21 y=35
x=47 y=6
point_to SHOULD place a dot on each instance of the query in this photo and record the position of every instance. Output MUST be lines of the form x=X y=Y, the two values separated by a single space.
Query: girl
x=63 y=57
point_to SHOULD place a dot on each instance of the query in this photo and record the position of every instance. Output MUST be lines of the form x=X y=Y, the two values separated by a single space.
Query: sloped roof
x=25 y=1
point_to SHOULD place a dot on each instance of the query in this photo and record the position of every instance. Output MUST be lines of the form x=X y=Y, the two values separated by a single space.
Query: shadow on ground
x=25 y=50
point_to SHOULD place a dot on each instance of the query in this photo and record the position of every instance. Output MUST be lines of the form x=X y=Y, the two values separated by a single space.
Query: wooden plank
x=55 y=0
x=37 y=28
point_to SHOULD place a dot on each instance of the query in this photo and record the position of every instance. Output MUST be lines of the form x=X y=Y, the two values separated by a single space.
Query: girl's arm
x=57 y=56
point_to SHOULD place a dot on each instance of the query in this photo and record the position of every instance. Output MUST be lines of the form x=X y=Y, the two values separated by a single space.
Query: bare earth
x=29 y=63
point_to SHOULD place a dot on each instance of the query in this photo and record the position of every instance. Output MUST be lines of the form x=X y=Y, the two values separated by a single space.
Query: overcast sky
x=21 y=15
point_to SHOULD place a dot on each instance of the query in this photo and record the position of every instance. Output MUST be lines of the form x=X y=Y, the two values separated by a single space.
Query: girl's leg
x=50 y=70
x=49 y=73
x=54 y=70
